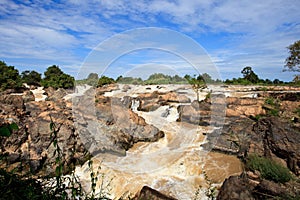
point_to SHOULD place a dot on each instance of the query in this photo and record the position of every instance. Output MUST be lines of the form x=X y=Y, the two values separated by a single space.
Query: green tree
x=198 y=84
x=56 y=78
x=9 y=77
x=31 y=77
x=104 y=80
x=292 y=62
x=249 y=75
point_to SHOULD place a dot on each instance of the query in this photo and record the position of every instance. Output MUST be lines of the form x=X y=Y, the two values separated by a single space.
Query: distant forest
x=10 y=78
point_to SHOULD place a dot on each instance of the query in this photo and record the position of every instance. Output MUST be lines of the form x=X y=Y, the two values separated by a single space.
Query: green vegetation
x=249 y=75
x=159 y=78
x=268 y=168
x=273 y=106
x=31 y=77
x=7 y=129
x=250 y=78
x=9 y=77
x=56 y=78
x=292 y=62
x=104 y=80
x=130 y=80
x=198 y=83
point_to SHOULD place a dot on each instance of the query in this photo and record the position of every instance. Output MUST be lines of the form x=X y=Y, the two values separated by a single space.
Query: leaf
x=51 y=126
x=4 y=131
x=13 y=126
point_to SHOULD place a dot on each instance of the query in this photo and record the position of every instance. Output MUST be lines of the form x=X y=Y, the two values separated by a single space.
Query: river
x=175 y=165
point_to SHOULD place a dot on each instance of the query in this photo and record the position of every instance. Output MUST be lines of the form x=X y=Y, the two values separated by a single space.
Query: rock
x=236 y=188
x=149 y=193
x=15 y=100
x=237 y=107
x=174 y=97
x=282 y=139
x=118 y=126
x=106 y=88
x=152 y=101
x=57 y=95
x=126 y=88
x=31 y=144
x=28 y=96
x=196 y=113
x=269 y=188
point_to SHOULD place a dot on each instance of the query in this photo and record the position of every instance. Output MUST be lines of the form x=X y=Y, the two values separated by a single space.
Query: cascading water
x=135 y=103
x=174 y=165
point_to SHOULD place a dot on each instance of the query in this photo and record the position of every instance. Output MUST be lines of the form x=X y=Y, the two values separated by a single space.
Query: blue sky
x=36 y=34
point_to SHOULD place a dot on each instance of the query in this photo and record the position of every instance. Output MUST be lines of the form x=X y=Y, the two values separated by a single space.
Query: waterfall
x=135 y=103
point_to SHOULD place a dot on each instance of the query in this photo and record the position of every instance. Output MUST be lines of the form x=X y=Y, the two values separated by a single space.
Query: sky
x=232 y=33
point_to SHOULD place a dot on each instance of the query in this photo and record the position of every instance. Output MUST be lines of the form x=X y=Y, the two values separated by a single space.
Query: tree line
x=10 y=78
x=56 y=78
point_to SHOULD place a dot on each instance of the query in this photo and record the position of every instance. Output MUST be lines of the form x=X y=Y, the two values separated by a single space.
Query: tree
x=56 y=78
x=31 y=77
x=198 y=84
x=9 y=77
x=292 y=63
x=249 y=75
x=104 y=80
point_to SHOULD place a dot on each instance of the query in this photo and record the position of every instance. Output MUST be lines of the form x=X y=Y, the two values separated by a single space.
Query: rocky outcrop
x=243 y=187
x=123 y=126
x=237 y=107
x=236 y=188
x=196 y=113
x=31 y=146
x=270 y=136
x=152 y=101
x=280 y=139
x=149 y=193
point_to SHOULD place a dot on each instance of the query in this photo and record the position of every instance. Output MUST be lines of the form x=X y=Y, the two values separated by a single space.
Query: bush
x=268 y=168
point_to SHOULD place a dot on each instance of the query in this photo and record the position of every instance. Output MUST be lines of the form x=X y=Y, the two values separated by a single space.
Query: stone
x=236 y=188
x=149 y=193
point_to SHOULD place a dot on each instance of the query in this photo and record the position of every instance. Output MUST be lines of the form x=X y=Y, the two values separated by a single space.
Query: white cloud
x=255 y=32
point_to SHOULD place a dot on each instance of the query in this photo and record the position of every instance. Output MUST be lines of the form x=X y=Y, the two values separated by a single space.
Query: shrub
x=268 y=168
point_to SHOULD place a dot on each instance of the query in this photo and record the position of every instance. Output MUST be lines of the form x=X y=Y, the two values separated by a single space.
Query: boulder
x=282 y=139
x=56 y=95
x=149 y=193
x=236 y=188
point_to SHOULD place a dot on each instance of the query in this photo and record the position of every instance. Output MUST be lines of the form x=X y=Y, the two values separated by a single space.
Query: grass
x=275 y=105
x=269 y=169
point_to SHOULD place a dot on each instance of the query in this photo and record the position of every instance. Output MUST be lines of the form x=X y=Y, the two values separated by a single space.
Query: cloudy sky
x=235 y=33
